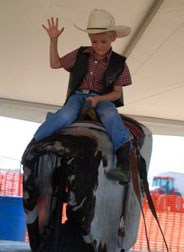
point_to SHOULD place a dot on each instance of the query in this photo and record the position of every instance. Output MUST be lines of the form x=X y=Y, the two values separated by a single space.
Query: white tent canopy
x=154 y=50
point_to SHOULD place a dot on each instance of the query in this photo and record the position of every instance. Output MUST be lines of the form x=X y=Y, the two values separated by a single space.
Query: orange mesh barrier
x=10 y=183
x=170 y=211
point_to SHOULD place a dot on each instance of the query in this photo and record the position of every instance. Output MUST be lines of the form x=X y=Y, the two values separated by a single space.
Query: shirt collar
x=91 y=52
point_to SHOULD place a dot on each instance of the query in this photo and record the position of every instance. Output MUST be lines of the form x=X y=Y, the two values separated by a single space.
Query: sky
x=167 y=154
x=14 y=137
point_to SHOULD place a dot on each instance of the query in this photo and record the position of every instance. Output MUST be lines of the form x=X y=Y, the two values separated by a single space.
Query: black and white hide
x=70 y=166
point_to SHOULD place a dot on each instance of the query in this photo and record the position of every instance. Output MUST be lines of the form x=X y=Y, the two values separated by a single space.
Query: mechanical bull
x=70 y=167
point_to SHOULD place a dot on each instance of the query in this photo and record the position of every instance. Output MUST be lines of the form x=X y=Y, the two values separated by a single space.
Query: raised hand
x=52 y=28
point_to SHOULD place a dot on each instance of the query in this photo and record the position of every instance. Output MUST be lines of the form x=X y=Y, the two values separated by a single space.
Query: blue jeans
x=106 y=111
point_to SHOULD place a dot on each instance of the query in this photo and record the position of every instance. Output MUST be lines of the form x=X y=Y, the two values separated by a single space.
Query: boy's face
x=101 y=43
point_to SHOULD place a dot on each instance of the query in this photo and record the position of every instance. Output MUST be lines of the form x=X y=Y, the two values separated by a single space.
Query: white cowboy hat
x=102 y=21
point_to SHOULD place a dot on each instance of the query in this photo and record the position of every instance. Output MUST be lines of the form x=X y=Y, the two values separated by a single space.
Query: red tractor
x=164 y=185
x=165 y=195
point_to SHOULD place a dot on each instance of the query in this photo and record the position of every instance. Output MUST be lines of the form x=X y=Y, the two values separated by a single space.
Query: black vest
x=79 y=70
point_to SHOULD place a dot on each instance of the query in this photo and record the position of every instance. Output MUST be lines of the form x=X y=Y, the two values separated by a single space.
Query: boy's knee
x=110 y=114
x=67 y=117
x=105 y=106
x=107 y=109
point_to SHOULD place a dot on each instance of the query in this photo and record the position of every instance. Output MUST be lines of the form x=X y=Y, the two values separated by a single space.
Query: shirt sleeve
x=124 y=79
x=68 y=61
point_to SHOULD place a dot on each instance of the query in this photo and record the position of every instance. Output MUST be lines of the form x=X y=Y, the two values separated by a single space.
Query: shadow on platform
x=14 y=246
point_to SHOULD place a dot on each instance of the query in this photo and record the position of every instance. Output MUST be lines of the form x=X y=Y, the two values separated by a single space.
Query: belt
x=85 y=91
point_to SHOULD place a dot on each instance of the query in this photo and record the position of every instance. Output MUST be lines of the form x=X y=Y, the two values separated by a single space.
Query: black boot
x=122 y=171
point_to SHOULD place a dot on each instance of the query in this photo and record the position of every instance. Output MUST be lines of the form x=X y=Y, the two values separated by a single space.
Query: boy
x=97 y=74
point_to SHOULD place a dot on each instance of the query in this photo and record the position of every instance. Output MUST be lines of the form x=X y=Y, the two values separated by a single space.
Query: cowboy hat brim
x=120 y=30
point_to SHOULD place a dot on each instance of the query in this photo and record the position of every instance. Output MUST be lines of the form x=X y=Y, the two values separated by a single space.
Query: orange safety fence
x=10 y=183
x=170 y=211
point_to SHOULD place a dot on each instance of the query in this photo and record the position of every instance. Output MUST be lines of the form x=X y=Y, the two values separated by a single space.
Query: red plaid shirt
x=96 y=69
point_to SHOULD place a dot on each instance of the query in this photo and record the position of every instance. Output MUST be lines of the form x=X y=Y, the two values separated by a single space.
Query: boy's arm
x=53 y=33
x=112 y=96
x=54 y=55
